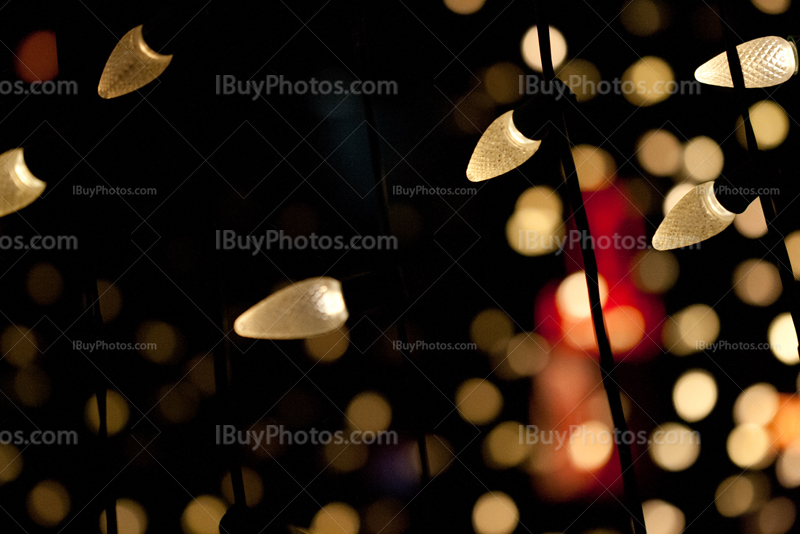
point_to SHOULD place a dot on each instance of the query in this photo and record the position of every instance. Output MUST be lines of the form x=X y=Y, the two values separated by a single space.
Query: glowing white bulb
x=766 y=61
x=131 y=66
x=309 y=308
x=18 y=186
x=696 y=217
x=501 y=148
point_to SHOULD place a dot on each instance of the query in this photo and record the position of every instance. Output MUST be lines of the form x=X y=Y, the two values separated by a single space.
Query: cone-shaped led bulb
x=696 y=217
x=18 y=186
x=501 y=148
x=766 y=61
x=309 y=308
x=132 y=65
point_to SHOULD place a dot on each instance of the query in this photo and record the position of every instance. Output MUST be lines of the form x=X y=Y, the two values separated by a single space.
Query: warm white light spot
x=694 y=395
x=691 y=330
x=735 y=496
x=503 y=448
x=44 y=283
x=770 y=124
x=202 y=515
x=535 y=232
x=131 y=518
x=542 y=198
x=772 y=7
x=253 y=487
x=464 y=7
x=751 y=223
x=749 y=446
x=782 y=338
x=336 y=518
x=793 y=246
x=777 y=516
x=661 y=517
x=757 y=282
x=596 y=168
x=527 y=354
x=10 y=463
x=478 y=401
x=582 y=77
x=648 y=81
x=48 y=503
x=643 y=17
x=369 y=412
x=674 y=447
x=117 y=413
x=660 y=153
x=572 y=296
x=502 y=82
x=787 y=468
x=625 y=325
x=329 y=347
x=756 y=405
x=531 y=53
x=702 y=159
x=495 y=513
x=590 y=446
x=490 y=327
x=655 y=271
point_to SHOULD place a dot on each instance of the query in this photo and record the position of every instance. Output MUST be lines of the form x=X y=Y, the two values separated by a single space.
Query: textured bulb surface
x=305 y=309
x=696 y=217
x=131 y=66
x=18 y=186
x=766 y=61
x=500 y=149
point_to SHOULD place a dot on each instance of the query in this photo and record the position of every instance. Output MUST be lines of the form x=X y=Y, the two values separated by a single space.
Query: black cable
x=632 y=501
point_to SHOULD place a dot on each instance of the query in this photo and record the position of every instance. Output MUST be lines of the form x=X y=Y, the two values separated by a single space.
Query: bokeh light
x=345 y=457
x=694 y=395
x=531 y=53
x=36 y=57
x=757 y=282
x=19 y=345
x=464 y=7
x=582 y=77
x=661 y=517
x=10 y=463
x=110 y=300
x=751 y=223
x=787 y=468
x=253 y=487
x=770 y=124
x=777 y=516
x=626 y=328
x=749 y=446
x=643 y=17
x=502 y=448
x=329 y=347
x=739 y=494
x=158 y=341
x=572 y=296
x=535 y=232
x=490 y=327
x=117 y=413
x=655 y=271
x=369 y=412
x=478 y=401
x=674 y=447
x=792 y=242
x=702 y=159
x=590 y=446
x=596 y=168
x=648 y=81
x=501 y=82
x=527 y=354
x=691 y=329
x=48 y=503
x=756 y=405
x=32 y=386
x=495 y=513
x=44 y=283
x=336 y=518
x=202 y=515
x=783 y=339
x=540 y=197
x=772 y=7
x=131 y=518
x=659 y=152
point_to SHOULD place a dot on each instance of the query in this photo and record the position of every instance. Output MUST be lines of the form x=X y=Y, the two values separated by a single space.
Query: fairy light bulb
x=696 y=217
x=18 y=186
x=501 y=148
x=131 y=66
x=766 y=61
x=305 y=309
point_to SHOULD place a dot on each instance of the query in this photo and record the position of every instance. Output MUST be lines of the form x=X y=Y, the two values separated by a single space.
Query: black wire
x=632 y=501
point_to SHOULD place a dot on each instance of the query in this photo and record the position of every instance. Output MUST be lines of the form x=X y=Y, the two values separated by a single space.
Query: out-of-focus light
x=200 y=371
x=501 y=148
x=178 y=402
x=596 y=168
x=696 y=217
x=117 y=413
x=756 y=405
x=648 y=81
x=345 y=457
x=36 y=57
x=782 y=339
x=478 y=401
x=502 y=448
x=785 y=427
x=502 y=82
x=202 y=515
x=643 y=17
x=336 y=518
x=590 y=446
x=489 y=328
x=533 y=56
x=10 y=463
x=44 y=283
x=386 y=516
x=659 y=152
x=440 y=454
x=766 y=61
x=661 y=517
x=309 y=308
x=626 y=328
x=131 y=66
x=48 y=503
x=527 y=354
x=694 y=395
x=703 y=159
x=793 y=247
x=770 y=124
x=131 y=518
x=737 y=495
x=655 y=271
x=18 y=186
x=787 y=468
x=582 y=77
x=772 y=7
x=691 y=329
x=676 y=193
x=253 y=487
x=464 y=7
x=369 y=412
x=32 y=386
x=495 y=513
x=328 y=347
x=572 y=296
x=160 y=341
x=534 y=232
x=749 y=446
x=777 y=516
x=757 y=282
x=751 y=223
x=542 y=198
x=675 y=447
x=19 y=345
